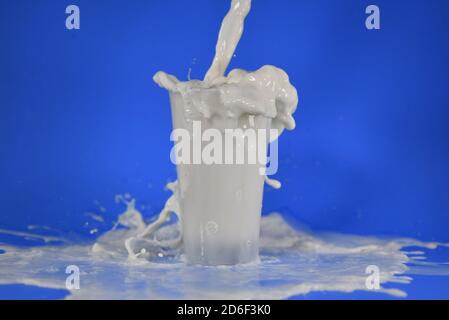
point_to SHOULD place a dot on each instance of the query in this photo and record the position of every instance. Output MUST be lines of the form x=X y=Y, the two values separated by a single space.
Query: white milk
x=220 y=205
x=292 y=262
x=230 y=33
x=210 y=194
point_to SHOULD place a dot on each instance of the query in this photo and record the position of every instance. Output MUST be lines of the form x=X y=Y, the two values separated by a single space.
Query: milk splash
x=265 y=92
x=292 y=262
x=140 y=260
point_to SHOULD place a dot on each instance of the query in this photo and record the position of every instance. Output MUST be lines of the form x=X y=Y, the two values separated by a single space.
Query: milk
x=152 y=266
x=230 y=33
x=220 y=204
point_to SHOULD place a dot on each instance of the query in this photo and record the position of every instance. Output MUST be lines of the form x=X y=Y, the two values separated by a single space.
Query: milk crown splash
x=265 y=92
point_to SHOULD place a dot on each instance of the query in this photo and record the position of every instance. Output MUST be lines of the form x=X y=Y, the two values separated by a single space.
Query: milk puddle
x=292 y=262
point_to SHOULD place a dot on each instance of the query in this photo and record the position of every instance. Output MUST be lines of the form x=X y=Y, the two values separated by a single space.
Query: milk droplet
x=211 y=227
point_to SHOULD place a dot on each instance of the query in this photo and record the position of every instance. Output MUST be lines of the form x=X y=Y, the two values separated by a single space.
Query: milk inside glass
x=220 y=204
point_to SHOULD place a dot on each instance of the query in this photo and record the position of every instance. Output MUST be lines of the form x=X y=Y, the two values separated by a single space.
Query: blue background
x=81 y=119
